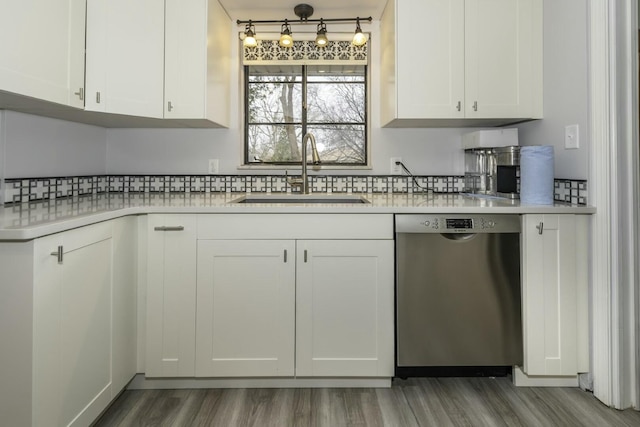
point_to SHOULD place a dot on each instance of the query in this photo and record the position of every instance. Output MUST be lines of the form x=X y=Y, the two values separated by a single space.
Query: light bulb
x=249 y=36
x=250 y=41
x=285 y=35
x=359 y=38
x=321 y=38
x=286 y=40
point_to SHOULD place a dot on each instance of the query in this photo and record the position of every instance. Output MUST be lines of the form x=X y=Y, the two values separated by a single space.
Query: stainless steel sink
x=301 y=198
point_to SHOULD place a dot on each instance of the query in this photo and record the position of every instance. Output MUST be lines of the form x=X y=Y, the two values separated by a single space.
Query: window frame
x=246 y=163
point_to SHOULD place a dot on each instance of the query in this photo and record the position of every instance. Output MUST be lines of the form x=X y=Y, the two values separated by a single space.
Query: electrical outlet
x=571 y=137
x=213 y=166
x=396 y=169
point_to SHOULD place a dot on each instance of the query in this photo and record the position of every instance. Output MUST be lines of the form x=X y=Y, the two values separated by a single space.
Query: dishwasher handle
x=459 y=237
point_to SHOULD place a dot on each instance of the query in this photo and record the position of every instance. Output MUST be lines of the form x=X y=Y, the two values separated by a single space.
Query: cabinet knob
x=80 y=93
x=59 y=254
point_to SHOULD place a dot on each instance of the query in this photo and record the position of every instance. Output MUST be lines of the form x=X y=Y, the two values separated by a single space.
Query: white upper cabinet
x=42 y=53
x=503 y=59
x=125 y=57
x=197 y=73
x=429 y=46
x=461 y=62
x=153 y=59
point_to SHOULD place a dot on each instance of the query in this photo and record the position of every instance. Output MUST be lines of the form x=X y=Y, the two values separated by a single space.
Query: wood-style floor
x=413 y=402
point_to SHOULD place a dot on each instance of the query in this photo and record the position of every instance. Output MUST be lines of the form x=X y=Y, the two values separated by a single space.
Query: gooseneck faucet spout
x=314 y=156
x=303 y=182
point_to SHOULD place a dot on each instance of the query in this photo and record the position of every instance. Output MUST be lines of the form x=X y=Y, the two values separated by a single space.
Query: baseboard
x=140 y=382
x=520 y=379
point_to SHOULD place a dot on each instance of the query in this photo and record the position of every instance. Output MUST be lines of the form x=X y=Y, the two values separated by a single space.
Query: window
x=276 y=120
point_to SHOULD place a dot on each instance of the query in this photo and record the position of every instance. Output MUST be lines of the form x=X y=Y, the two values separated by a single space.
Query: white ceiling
x=281 y=9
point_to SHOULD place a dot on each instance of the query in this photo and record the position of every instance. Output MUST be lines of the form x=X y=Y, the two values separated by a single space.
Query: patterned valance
x=305 y=52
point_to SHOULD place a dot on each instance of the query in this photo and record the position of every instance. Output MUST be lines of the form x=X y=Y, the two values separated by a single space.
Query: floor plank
x=438 y=402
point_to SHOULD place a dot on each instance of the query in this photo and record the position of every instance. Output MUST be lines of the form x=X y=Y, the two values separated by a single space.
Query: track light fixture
x=285 y=35
x=321 y=38
x=359 y=38
x=250 y=36
x=303 y=11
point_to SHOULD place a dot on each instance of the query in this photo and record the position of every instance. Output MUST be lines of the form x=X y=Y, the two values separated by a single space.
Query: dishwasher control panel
x=458 y=223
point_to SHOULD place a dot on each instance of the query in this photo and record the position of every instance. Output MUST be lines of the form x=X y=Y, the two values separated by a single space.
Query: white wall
x=178 y=151
x=565 y=87
x=43 y=147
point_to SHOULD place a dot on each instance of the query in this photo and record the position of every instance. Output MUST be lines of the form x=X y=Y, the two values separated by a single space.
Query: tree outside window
x=336 y=113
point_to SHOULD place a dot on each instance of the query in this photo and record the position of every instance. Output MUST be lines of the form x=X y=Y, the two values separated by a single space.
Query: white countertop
x=31 y=220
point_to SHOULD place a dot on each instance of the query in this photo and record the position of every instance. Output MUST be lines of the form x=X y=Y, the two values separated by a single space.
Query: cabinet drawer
x=295 y=226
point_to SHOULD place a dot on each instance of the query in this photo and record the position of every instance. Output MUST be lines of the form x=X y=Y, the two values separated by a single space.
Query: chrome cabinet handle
x=80 y=94
x=475 y=105
x=166 y=228
x=285 y=255
x=459 y=106
x=97 y=97
x=305 y=255
x=169 y=106
x=540 y=227
x=59 y=254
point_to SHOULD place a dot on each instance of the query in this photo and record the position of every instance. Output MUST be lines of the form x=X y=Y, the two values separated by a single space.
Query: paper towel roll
x=536 y=174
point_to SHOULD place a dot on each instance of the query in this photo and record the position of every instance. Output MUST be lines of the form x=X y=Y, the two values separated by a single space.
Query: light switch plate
x=571 y=137
x=214 y=166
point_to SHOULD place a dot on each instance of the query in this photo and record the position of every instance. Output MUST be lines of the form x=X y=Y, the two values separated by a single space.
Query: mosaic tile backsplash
x=25 y=190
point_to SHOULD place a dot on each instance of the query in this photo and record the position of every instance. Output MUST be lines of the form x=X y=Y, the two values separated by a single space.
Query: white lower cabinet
x=277 y=296
x=171 y=296
x=555 y=294
x=72 y=326
x=66 y=341
x=246 y=308
x=344 y=312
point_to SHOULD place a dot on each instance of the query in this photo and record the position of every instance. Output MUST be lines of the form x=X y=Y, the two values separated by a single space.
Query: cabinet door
x=197 y=73
x=72 y=326
x=499 y=57
x=125 y=57
x=171 y=296
x=246 y=308
x=42 y=54
x=549 y=295
x=125 y=270
x=430 y=59
x=344 y=308
x=185 y=59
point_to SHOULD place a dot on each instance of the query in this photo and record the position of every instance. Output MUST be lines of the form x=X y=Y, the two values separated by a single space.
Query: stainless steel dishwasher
x=458 y=305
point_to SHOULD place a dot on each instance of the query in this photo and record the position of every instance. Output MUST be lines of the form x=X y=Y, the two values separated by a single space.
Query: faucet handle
x=294 y=182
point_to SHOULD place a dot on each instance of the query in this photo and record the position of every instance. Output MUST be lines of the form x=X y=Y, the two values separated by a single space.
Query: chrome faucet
x=303 y=182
